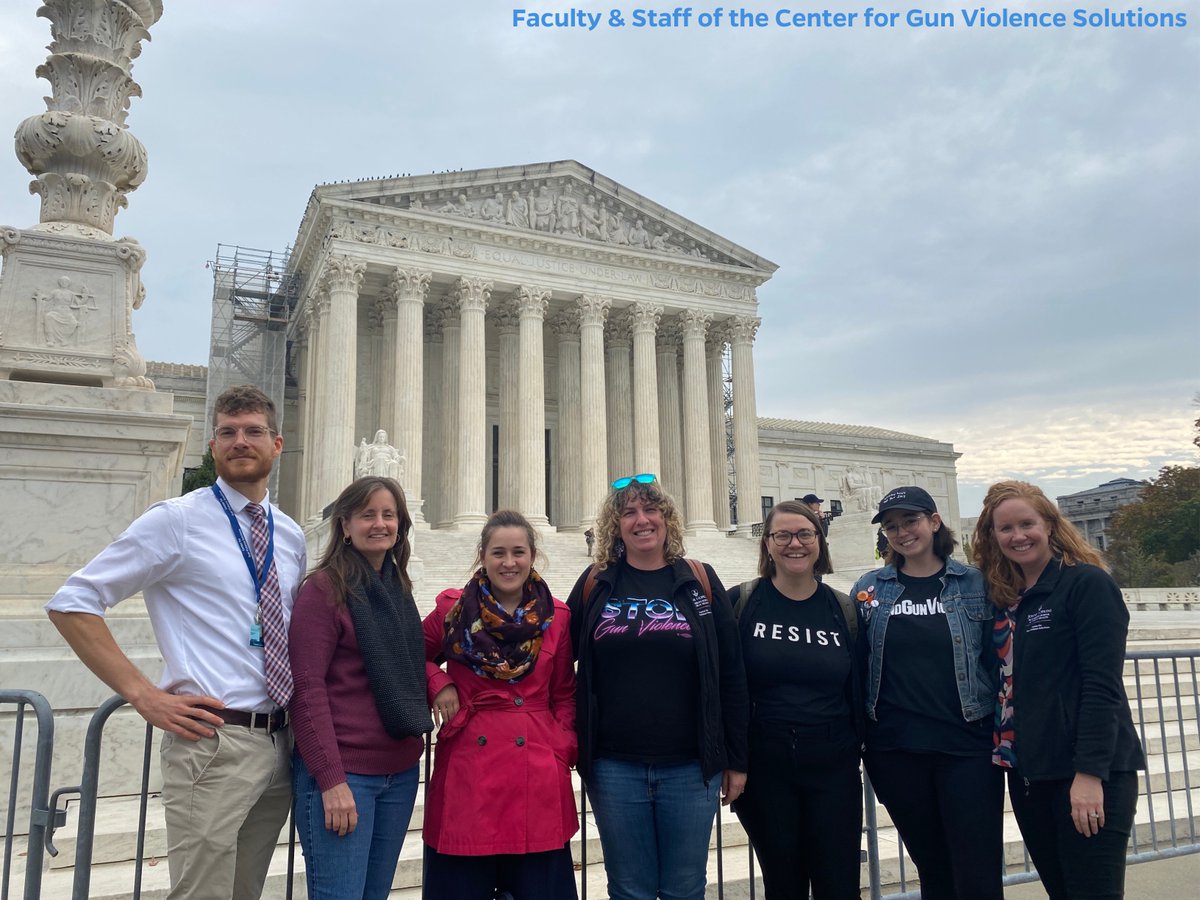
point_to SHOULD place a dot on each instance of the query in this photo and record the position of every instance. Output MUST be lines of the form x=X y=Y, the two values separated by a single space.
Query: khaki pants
x=225 y=798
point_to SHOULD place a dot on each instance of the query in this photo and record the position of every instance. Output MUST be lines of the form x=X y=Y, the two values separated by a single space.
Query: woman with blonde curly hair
x=1066 y=736
x=663 y=709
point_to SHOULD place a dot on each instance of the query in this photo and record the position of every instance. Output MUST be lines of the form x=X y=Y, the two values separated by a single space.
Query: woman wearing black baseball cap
x=930 y=699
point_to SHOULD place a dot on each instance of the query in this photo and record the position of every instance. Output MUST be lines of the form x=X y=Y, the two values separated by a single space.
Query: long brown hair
x=766 y=565
x=608 y=522
x=341 y=563
x=1004 y=576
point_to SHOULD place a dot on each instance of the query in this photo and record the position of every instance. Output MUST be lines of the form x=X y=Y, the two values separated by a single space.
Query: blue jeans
x=655 y=822
x=361 y=864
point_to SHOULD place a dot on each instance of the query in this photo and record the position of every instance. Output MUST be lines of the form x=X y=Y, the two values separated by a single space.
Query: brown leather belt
x=268 y=722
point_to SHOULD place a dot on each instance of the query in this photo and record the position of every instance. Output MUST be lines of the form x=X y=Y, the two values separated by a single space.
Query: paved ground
x=1163 y=878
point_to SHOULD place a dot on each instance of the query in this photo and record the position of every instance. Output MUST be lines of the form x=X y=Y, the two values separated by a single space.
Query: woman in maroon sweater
x=359 y=707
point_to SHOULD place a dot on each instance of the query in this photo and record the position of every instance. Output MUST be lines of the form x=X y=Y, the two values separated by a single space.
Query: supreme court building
x=524 y=335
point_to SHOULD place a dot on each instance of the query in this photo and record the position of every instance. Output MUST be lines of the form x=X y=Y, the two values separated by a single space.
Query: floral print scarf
x=480 y=634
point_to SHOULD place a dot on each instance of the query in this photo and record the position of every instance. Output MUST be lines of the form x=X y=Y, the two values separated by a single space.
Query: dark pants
x=948 y=810
x=1071 y=866
x=519 y=876
x=802 y=809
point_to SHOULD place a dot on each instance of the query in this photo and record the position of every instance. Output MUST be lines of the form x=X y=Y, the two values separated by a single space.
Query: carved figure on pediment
x=492 y=209
x=543 y=210
x=61 y=313
x=592 y=219
x=379 y=458
x=659 y=242
x=638 y=236
x=516 y=212
x=618 y=230
x=460 y=207
x=695 y=251
x=859 y=489
x=415 y=203
x=567 y=212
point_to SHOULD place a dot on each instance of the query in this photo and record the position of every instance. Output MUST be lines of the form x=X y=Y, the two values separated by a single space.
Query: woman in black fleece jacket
x=1063 y=725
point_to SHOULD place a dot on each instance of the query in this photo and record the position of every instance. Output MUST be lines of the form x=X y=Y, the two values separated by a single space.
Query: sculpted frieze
x=559 y=207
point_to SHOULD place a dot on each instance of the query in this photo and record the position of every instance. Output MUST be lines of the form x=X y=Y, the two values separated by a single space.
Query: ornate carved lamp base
x=65 y=310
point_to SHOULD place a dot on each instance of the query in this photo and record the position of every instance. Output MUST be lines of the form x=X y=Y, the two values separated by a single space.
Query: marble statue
x=378 y=458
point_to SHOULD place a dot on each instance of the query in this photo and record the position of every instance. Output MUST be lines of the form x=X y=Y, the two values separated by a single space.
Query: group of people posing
x=668 y=694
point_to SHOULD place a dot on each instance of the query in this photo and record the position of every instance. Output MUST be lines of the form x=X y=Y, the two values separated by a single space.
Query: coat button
x=518 y=701
x=520 y=742
x=482 y=740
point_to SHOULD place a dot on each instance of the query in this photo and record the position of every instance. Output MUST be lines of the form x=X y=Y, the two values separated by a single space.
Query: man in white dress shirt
x=219 y=569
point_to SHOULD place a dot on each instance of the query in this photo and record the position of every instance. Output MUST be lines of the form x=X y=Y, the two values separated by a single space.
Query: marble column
x=569 y=446
x=318 y=313
x=643 y=322
x=593 y=310
x=448 y=502
x=697 y=450
x=403 y=404
x=670 y=441
x=385 y=307
x=745 y=422
x=532 y=302
x=434 y=413
x=620 y=396
x=367 y=414
x=507 y=319
x=304 y=365
x=342 y=275
x=715 y=353
x=471 y=296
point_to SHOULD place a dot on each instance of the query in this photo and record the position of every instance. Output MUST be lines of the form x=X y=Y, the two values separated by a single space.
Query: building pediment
x=556 y=201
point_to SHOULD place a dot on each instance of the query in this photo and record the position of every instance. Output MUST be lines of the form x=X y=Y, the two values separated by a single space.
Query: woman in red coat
x=499 y=808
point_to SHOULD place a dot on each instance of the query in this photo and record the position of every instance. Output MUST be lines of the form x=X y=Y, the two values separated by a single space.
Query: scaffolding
x=254 y=298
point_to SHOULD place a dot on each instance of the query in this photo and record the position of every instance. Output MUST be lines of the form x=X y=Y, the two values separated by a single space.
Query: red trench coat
x=501 y=778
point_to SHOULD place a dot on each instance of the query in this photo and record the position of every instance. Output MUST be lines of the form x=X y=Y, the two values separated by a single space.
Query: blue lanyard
x=259 y=578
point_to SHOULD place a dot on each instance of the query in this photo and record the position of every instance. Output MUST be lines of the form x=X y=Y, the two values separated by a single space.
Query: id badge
x=256 y=635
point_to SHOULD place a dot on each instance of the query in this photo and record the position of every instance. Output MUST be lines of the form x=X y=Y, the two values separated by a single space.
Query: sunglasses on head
x=644 y=478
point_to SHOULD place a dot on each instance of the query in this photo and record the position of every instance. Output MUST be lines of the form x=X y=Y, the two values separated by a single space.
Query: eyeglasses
x=783 y=538
x=907 y=523
x=644 y=478
x=227 y=434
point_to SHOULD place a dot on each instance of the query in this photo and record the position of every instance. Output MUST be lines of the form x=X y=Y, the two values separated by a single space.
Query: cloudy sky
x=990 y=237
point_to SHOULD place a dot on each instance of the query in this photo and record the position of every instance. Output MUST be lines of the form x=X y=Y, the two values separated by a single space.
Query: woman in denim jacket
x=930 y=699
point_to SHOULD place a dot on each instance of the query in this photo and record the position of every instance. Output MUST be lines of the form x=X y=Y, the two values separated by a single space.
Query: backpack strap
x=702 y=576
x=745 y=589
x=849 y=613
x=589 y=585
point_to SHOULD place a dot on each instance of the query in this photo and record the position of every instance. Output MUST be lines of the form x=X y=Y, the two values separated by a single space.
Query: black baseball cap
x=910 y=497
x=811 y=498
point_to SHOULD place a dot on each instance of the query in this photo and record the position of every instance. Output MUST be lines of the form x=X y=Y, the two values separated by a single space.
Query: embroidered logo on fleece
x=1038 y=620
x=700 y=603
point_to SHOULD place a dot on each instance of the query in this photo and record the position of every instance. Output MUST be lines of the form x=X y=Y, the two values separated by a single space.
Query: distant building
x=1091 y=511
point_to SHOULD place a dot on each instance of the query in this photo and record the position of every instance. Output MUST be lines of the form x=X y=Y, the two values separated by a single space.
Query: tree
x=1154 y=536
x=201 y=476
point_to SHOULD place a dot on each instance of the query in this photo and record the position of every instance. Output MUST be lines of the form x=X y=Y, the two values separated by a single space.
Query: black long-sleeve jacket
x=724 y=704
x=1071 y=713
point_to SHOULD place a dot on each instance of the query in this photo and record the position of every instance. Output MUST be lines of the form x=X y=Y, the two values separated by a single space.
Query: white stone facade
x=524 y=335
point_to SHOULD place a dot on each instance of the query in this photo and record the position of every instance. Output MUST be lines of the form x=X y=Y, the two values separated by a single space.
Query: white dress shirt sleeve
x=144 y=553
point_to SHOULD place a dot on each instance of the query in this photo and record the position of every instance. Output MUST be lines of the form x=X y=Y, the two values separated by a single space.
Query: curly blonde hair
x=1005 y=579
x=610 y=548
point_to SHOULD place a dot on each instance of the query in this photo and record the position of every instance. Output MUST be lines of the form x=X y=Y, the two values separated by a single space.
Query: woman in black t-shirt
x=661 y=696
x=930 y=688
x=802 y=806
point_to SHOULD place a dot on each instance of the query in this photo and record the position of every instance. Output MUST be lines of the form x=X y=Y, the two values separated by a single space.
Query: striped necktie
x=276 y=668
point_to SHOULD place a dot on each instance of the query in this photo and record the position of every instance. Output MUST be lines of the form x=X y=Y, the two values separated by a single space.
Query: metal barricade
x=39 y=809
x=1165 y=698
